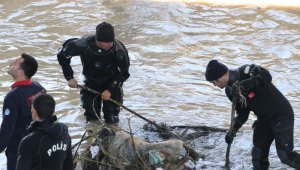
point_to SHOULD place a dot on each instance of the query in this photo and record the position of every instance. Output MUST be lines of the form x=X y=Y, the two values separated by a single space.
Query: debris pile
x=122 y=150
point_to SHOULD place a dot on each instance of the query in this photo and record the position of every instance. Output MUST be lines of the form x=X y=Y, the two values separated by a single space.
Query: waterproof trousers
x=92 y=103
x=265 y=133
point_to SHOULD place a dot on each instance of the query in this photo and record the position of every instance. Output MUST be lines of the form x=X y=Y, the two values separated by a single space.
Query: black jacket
x=110 y=68
x=47 y=147
x=264 y=99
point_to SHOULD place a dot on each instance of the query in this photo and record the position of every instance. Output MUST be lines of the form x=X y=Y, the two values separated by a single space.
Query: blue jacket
x=17 y=115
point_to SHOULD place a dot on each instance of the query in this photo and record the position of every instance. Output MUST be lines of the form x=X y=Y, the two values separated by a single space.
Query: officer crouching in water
x=275 y=116
x=48 y=146
x=105 y=64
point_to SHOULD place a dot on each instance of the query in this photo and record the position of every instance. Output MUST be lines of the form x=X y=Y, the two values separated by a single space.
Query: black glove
x=230 y=135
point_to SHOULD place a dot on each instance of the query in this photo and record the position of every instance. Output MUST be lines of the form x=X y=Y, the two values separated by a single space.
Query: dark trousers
x=92 y=102
x=265 y=133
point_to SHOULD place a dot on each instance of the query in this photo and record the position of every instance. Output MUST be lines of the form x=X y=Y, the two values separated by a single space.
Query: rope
x=79 y=143
x=137 y=155
x=94 y=110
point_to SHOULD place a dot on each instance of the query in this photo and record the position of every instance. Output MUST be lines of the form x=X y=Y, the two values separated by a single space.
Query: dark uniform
x=16 y=117
x=275 y=116
x=48 y=146
x=103 y=70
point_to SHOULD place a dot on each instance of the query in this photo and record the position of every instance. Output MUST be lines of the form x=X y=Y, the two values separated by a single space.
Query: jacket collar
x=35 y=125
x=234 y=75
x=21 y=83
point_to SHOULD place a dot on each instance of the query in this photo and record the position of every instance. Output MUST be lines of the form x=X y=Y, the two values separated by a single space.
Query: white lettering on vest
x=49 y=152
x=57 y=147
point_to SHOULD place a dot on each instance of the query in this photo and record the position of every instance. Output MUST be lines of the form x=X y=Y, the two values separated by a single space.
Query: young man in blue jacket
x=16 y=107
x=48 y=146
x=275 y=116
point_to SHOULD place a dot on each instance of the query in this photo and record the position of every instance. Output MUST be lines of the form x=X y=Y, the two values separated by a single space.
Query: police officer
x=16 y=107
x=105 y=64
x=275 y=116
x=48 y=146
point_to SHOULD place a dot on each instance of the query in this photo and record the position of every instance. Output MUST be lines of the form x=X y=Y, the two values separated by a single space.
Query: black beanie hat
x=215 y=70
x=105 y=32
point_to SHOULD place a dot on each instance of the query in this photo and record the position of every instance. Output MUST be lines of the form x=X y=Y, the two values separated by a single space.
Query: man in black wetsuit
x=275 y=116
x=105 y=64
x=48 y=146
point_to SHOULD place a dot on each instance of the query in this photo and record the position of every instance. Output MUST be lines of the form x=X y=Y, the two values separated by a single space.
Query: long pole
x=121 y=105
x=234 y=101
x=131 y=111
x=193 y=153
